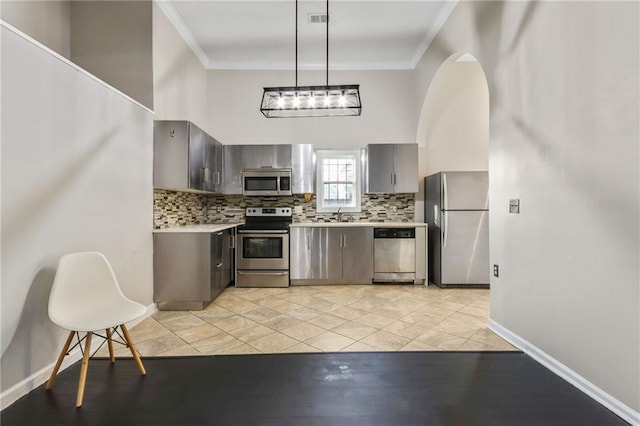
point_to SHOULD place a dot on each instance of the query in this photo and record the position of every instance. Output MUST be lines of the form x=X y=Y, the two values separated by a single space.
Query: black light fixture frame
x=301 y=101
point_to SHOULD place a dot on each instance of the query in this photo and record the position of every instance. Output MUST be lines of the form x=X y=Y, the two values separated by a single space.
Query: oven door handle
x=263 y=231
x=260 y=272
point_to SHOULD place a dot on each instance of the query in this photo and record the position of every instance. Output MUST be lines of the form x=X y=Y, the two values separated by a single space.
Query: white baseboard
x=22 y=388
x=614 y=405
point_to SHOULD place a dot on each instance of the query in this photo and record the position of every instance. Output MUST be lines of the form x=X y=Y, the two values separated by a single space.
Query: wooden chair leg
x=110 y=344
x=63 y=353
x=132 y=348
x=83 y=370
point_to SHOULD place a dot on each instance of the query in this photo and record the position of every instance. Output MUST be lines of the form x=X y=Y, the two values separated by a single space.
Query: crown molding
x=442 y=17
x=351 y=66
x=174 y=17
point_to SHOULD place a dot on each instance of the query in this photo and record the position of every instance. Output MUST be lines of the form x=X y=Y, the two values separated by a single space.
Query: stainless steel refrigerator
x=457 y=211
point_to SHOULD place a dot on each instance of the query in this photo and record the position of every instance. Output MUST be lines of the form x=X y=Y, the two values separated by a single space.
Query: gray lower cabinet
x=190 y=268
x=331 y=255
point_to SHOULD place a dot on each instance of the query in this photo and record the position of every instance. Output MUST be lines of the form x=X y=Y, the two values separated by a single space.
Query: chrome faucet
x=339 y=214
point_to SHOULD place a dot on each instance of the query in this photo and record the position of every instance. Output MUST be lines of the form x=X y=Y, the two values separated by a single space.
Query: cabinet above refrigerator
x=391 y=168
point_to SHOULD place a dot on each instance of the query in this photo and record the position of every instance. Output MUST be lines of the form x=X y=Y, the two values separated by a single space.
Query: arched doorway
x=453 y=127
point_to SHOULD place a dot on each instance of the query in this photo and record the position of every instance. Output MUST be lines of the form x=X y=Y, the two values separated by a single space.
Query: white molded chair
x=86 y=298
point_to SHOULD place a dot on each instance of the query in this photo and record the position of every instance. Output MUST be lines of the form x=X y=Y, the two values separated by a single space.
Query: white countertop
x=357 y=224
x=204 y=228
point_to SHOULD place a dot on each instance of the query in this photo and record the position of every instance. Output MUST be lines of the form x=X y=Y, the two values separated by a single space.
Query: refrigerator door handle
x=444 y=228
x=436 y=215
x=445 y=205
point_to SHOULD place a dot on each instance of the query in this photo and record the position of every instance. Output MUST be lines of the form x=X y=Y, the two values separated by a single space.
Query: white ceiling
x=363 y=34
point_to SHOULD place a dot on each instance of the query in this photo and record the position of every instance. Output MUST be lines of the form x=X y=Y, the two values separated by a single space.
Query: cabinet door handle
x=340 y=243
x=217 y=178
x=219 y=265
x=344 y=241
x=232 y=241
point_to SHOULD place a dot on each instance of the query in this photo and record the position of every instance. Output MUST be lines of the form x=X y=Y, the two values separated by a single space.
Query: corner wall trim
x=25 y=386
x=593 y=391
x=71 y=64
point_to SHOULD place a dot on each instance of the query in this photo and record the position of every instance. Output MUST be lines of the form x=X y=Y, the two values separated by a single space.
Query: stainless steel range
x=262 y=252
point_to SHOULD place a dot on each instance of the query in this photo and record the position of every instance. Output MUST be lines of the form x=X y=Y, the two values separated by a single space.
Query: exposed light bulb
x=327 y=101
x=343 y=100
x=280 y=102
x=312 y=101
x=296 y=101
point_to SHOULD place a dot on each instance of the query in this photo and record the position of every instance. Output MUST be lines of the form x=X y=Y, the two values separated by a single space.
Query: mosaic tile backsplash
x=171 y=208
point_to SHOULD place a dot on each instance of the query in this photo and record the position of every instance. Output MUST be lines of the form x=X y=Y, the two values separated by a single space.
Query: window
x=338 y=181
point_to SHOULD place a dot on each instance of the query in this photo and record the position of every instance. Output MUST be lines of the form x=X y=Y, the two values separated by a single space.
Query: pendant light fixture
x=311 y=101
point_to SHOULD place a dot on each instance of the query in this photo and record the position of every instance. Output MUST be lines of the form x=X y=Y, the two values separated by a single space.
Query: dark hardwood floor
x=407 y=388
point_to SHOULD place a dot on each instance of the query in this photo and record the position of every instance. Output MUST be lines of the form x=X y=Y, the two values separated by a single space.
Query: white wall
x=454 y=120
x=112 y=40
x=76 y=172
x=387 y=114
x=46 y=21
x=179 y=79
x=563 y=81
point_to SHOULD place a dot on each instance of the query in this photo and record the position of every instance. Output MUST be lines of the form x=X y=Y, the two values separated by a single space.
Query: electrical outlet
x=496 y=270
x=514 y=206
x=297 y=209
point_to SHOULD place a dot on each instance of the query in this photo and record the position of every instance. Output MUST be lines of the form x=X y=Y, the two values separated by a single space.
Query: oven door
x=266 y=250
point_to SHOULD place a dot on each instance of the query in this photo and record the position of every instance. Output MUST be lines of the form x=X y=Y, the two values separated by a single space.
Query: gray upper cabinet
x=261 y=156
x=298 y=158
x=391 y=168
x=303 y=169
x=218 y=167
x=232 y=169
x=185 y=158
x=379 y=169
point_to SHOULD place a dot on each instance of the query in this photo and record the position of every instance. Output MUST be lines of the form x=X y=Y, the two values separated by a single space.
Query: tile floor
x=323 y=319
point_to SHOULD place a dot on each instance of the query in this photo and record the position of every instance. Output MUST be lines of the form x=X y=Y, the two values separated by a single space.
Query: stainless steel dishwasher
x=394 y=255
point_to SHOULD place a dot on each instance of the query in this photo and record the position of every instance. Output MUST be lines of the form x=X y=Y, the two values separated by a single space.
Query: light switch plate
x=514 y=206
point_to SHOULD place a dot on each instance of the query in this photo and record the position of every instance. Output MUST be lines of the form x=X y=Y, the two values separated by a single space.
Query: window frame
x=321 y=156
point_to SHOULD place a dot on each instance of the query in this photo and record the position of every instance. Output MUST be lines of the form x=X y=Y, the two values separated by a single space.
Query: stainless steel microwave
x=267 y=182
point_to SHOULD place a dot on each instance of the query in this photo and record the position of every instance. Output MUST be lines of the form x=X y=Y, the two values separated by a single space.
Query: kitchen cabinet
x=303 y=169
x=185 y=158
x=391 y=168
x=331 y=255
x=228 y=251
x=298 y=158
x=191 y=269
x=218 y=166
x=260 y=156
x=232 y=169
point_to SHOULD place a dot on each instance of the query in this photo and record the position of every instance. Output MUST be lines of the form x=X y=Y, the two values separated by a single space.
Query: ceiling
x=363 y=35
